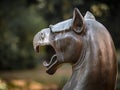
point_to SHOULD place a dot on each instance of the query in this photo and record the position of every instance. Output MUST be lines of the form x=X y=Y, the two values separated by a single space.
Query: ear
x=78 y=21
x=89 y=15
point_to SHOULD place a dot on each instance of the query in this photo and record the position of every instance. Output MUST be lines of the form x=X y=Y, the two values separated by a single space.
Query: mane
x=61 y=26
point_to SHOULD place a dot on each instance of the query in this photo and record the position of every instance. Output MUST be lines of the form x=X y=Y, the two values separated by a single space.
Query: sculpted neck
x=79 y=72
x=91 y=70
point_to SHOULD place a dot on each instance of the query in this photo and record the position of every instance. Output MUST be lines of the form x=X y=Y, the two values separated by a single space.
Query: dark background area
x=20 y=20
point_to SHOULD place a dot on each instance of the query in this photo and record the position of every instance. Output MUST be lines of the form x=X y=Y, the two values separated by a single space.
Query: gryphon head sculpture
x=87 y=46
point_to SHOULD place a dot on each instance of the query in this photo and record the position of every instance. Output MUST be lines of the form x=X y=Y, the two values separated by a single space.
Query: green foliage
x=18 y=24
x=20 y=19
x=57 y=9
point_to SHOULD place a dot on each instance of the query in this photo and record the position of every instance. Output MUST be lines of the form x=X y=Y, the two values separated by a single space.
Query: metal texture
x=87 y=46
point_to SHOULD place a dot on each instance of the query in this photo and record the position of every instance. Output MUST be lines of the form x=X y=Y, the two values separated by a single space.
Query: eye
x=42 y=36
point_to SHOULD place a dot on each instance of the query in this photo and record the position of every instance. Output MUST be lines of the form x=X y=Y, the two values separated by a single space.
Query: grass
x=36 y=77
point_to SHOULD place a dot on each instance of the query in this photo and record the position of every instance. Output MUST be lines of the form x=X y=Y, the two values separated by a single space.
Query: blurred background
x=20 y=20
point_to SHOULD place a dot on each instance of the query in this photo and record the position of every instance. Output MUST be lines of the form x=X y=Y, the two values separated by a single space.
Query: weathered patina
x=87 y=46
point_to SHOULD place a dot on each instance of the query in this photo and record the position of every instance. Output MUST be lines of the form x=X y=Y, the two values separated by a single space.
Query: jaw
x=51 y=64
x=38 y=41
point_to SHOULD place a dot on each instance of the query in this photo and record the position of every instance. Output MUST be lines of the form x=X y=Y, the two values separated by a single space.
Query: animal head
x=66 y=38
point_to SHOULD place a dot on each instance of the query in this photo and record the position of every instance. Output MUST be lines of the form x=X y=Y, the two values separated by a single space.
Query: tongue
x=53 y=59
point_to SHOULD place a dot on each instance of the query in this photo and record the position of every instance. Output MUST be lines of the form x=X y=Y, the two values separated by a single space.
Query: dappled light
x=100 y=9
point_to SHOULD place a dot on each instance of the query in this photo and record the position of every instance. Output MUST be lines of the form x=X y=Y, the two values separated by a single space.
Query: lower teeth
x=45 y=63
x=52 y=60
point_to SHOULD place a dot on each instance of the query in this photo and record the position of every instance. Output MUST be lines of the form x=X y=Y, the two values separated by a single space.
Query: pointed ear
x=78 y=21
x=89 y=15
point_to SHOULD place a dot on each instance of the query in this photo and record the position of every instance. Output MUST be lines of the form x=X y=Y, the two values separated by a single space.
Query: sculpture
x=87 y=46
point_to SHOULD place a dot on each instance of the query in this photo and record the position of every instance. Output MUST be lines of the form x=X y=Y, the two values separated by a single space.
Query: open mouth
x=51 y=57
x=50 y=61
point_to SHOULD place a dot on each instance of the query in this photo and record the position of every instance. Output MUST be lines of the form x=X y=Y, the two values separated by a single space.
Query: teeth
x=48 y=64
x=45 y=64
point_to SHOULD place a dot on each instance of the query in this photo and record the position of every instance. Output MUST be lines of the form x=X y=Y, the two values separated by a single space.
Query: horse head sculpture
x=87 y=46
